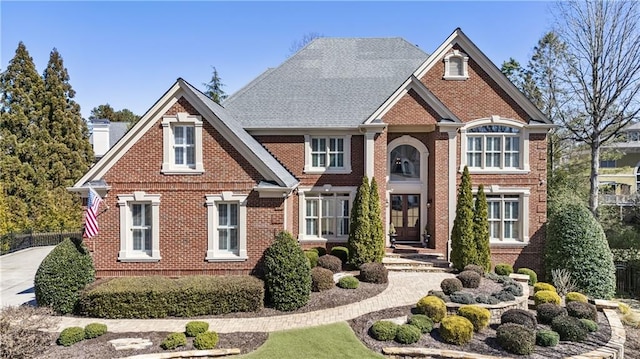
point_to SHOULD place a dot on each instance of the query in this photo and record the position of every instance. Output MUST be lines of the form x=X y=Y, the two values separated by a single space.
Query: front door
x=405 y=216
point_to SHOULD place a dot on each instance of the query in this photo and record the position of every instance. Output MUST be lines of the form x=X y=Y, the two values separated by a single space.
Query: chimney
x=100 y=137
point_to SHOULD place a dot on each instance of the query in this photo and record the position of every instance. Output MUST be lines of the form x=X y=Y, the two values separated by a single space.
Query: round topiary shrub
x=196 y=327
x=70 y=336
x=487 y=299
x=321 y=279
x=533 y=277
x=546 y=296
x=455 y=329
x=543 y=286
x=451 y=285
x=94 y=330
x=374 y=273
x=312 y=256
x=383 y=330
x=576 y=297
x=548 y=311
x=469 y=279
x=569 y=328
x=547 y=338
x=205 y=341
x=477 y=315
x=519 y=316
x=503 y=269
x=462 y=298
x=287 y=276
x=173 y=341
x=577 y=243
x=321 y=251
x=348 y=282
x=589 y=325
x=421 y=322
x=341 y=252
x=408 y=334
x=582 y=310
x=330 y=262
x=516 y=338
x=62 y=275
x=433 y=307
x=473 y=267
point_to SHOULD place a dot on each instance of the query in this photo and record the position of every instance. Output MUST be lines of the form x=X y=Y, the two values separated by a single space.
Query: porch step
x=415 y=263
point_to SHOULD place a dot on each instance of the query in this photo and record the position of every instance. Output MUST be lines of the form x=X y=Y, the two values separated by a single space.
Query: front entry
x=405 y=216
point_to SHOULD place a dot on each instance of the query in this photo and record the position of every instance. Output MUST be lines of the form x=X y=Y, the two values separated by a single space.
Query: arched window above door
x=404 y=164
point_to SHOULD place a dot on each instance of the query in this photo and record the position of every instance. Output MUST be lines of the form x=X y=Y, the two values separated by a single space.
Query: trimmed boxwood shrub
x=205 y=341
x=516 y=338
x=433 y=307
x=576 y=297
x=383 y=330
x=196 y=327
x=62 y=275
x=487 y=299
x=321 y=251
x=421 y=322
x=548 y=311
x=408 y=334
x=70 y=336
x=374 y=273
x=321 y=279
x=473 y=267
x=569 y=328
x=451 y=285
x=341 y=252
x=330 y=262
x=547 y=338
x=348 y=282
x=533 y=277
x=440 y=294
x=543 y=286
x=455 y=329
x=589 y=325
x=519 y=316
x=477 y=315
x=462 y=298
x=546 y=296
x=159 y=297
x=286 y=274
x=312 y=256
x=582 y=310
x=173 y=341
x=469 y=279
x=94 y=330
x=503 y=269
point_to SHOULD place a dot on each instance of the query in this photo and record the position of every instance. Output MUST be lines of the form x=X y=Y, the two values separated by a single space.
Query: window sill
x=132 y=258
x=497 y=171
x=226 y=259
x=319 y=171
x=507 y=244
x=311 y=239
x=182 y=171
x=455 y=78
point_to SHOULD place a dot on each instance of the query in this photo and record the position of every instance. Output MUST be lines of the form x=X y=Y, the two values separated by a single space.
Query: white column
x=369 y=147
x=452 y=186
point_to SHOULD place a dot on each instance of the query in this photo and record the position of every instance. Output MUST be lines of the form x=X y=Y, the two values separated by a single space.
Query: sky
x=128 y=53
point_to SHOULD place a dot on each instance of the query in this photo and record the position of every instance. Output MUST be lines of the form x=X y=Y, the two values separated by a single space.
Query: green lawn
x=327 y=341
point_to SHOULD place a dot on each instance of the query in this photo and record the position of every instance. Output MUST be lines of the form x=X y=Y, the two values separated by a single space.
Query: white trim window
x=325 y=213
x=182 y=144
x=504 y=217
x=226 y=227
x=139 y=227
x=493 y=147
x=456 y=66
x=327 y=154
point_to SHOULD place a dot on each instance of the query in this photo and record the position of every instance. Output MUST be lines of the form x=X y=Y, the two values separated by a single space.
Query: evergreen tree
x=214 y=88
x=360 y=247
x=463 y=247
x=375 y=222
x=481 y=230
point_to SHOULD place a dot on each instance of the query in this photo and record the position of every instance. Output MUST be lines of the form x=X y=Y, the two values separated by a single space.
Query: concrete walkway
x=17 y=271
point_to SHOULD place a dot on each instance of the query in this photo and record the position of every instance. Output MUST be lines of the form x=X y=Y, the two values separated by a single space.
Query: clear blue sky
x=128 y=54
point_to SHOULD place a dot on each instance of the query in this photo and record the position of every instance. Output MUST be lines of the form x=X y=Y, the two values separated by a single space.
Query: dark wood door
x=405 y=216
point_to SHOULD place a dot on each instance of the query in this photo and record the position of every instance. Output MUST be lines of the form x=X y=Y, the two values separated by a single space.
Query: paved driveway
x=17 y=271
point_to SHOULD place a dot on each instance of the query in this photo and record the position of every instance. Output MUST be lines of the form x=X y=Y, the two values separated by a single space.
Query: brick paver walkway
x=404 y=288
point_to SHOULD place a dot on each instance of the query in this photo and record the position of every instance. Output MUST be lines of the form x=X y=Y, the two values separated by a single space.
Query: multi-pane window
x=504 y=217
x=493 y=146
x=184 y=145
x=141 y=226
x=228 y=227
x=327 y=214
x=327 y=152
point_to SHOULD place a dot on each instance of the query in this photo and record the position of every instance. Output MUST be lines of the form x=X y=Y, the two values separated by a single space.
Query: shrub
x=407 y=334
x=546 y=296
x=503 y=296
x=503 y=269
x=469 y=279
x=94 y=330
x=62 y=275
x=451 y=285
x=159 y=297
x=462 y=298
x=383 y=330
x=589 y=325
x=22 y=331
x=321 y=279
x=421 y=322
x=361 y=250
x=330 y=262
x=474 y=267
x=481 y=230
x=504 y=279
x=543 y=286
x=548 y=311
x=70 y=336
x=569 y=328
x=519 y=316
x=433 y=307
x=321 y=251
x=440 y=294
x=533 y=277
x=376 y=228
x=577 y=243
x=487 y=299
x=576 y=297
x=547 y=338
x=477 y=315
x=492 y=276
x=374 y=273
x=513 y=288
x=582 y=310
x=205 y=341
x=173 y=341
x=341 y=252
x=516 y=338
x=463 y=245
x=561 y=279
x=455 y=329
x=196 y=327
x=287 y=275
x=312 y=256
x=348 y=282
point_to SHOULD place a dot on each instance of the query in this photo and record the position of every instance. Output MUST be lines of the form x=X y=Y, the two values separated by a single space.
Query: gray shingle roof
x=116 y=131
x=332 y=82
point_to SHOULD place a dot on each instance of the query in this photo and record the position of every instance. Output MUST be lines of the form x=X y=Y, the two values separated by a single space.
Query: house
x=199 y=188
x=619 y=174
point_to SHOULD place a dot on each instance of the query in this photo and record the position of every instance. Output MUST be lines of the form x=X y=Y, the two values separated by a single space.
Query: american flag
x=91 y=216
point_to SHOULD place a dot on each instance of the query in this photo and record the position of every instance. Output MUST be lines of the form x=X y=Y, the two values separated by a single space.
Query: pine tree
x=214 y=88
x=463 y=247
x=481 y=230
x=360 y=250
x=375 y=222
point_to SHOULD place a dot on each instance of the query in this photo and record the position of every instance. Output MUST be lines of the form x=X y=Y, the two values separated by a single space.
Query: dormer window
x=456 y=66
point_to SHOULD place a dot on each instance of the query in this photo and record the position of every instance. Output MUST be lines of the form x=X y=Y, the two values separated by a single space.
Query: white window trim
x=308 y=168
x=302 y=191
x=127 y=254
x=168 y=161
x=213 y=253
x=497 y=120
x=465 y=66
x=523 y=193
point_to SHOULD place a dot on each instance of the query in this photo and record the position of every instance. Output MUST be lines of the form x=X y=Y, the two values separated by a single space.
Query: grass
x=327 y=341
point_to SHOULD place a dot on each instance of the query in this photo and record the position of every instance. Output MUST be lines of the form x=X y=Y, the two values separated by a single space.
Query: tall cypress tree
x=360 y=250
x=463 y=246
x=375 y=222
x=481 y=230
